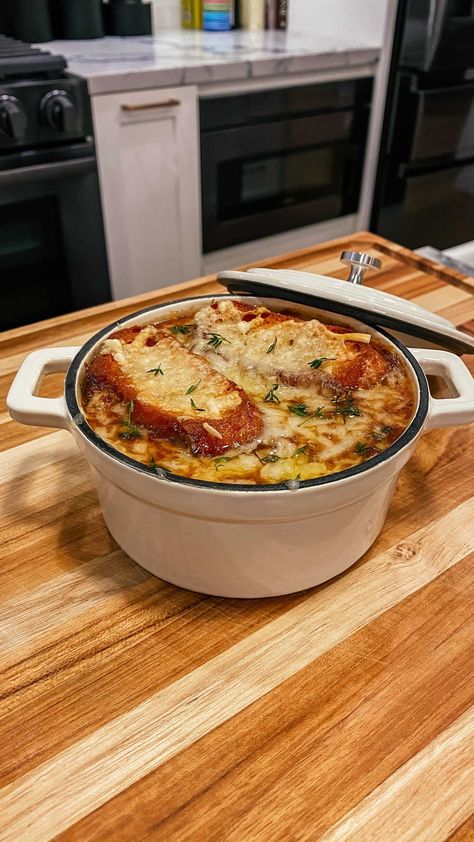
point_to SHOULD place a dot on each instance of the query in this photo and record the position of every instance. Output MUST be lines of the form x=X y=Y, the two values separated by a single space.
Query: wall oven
x=281 y=159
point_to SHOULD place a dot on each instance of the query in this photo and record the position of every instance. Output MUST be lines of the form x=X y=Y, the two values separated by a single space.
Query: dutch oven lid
x=350 y=298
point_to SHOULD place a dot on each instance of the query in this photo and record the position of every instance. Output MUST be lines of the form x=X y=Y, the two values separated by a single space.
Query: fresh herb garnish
x=131 y=431
x=317 y=413
x=221 y=460
x=216 y=340
x=155 y=371
x=192 y=388
x=271 y=347
x=270 y=397
x=346 y=408
x=318 y=362
x=265 y=460
x=300 y=409
x=379 y=435
x=361 y=448
x=300 y=451
x=181 y=328
x=196 y=407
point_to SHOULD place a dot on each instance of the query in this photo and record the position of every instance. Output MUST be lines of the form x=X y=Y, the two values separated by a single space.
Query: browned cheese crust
x=201 y=432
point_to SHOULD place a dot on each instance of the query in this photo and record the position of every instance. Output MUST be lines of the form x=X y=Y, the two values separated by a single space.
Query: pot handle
x=24 y=406
x=448 y=412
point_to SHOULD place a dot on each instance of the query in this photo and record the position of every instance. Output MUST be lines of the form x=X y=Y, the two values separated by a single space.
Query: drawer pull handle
x=145 y=106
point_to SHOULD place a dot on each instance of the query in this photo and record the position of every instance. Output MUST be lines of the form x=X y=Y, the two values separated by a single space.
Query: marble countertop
x=193 y=57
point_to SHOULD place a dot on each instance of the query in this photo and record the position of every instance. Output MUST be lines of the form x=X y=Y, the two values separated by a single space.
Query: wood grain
x=442 y=773
x=132 y=709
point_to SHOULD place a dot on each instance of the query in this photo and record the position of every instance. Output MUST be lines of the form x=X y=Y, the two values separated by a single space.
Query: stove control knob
x=59 y=110
x=12 y=117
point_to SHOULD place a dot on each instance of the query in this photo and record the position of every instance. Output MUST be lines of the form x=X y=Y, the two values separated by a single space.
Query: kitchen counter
x=131 y=709
x=180 y=58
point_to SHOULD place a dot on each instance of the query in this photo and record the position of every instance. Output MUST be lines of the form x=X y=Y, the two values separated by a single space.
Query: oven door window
x=255 y=185
x=33 y=269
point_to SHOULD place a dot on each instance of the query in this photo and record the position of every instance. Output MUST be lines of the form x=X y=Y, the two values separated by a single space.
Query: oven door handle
x=40 y=172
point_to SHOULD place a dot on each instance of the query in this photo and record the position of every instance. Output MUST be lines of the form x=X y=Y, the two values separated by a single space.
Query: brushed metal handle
x=145 y=106
x=359 y=262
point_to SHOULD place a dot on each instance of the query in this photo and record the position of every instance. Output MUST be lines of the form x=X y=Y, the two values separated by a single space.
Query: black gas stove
x=52 y=247
x=40 y=103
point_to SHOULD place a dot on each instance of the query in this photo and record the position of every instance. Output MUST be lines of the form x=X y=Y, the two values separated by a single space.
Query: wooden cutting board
x=132 y=709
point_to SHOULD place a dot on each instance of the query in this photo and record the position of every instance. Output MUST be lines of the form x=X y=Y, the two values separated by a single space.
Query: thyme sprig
x=265 y=460
x=271 y=347
x=300 y=451
x=216 y=340
x=155 y=371
x=346 y=408
x=271 y=397
x=131 y=430
x=197 y=408
x=319 y=361
x=181 y=329
x=379 y=435
x=316 y=413
x=192 y=388
x=301 y=409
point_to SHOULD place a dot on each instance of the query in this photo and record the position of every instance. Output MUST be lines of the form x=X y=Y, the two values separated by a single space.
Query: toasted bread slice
x=172 y=392
x=289 y=350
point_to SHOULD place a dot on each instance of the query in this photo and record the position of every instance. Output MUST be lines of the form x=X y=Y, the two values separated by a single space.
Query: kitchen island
x=180 y=57
x=133 y=709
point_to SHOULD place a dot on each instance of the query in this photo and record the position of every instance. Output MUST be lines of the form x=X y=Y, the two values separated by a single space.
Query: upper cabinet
x=148 y=157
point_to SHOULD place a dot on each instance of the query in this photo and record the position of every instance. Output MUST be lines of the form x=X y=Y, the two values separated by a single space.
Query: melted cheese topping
x=308 y=431
x=245 y=344
x=176 y=376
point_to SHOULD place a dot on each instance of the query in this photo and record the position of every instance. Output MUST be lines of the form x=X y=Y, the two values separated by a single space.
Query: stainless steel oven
x=281 y=159
x=424 y=188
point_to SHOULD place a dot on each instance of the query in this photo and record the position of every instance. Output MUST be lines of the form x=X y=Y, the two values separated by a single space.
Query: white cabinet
x=148 y=158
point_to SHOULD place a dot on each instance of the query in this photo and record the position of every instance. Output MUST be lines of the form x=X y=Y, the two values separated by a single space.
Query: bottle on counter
x=191 y=14
x=236 y=15
x=252 y=14
x=276 y=14
x=217 y=15
x=282 y=14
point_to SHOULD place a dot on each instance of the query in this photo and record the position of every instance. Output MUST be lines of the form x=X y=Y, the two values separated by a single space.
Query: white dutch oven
x=244 y=540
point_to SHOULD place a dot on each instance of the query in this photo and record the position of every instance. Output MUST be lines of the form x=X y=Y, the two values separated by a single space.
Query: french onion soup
x=237 y=393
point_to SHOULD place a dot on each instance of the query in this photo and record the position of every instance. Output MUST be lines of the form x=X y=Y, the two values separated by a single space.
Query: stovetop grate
x=18 y=60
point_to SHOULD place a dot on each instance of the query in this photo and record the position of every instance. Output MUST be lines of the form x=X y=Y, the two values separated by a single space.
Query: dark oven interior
x=281 y=159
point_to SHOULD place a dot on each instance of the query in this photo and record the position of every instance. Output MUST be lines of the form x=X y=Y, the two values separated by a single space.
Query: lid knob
x=359 y=262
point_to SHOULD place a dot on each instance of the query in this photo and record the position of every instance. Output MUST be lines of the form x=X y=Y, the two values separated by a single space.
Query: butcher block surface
x=131 y=709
